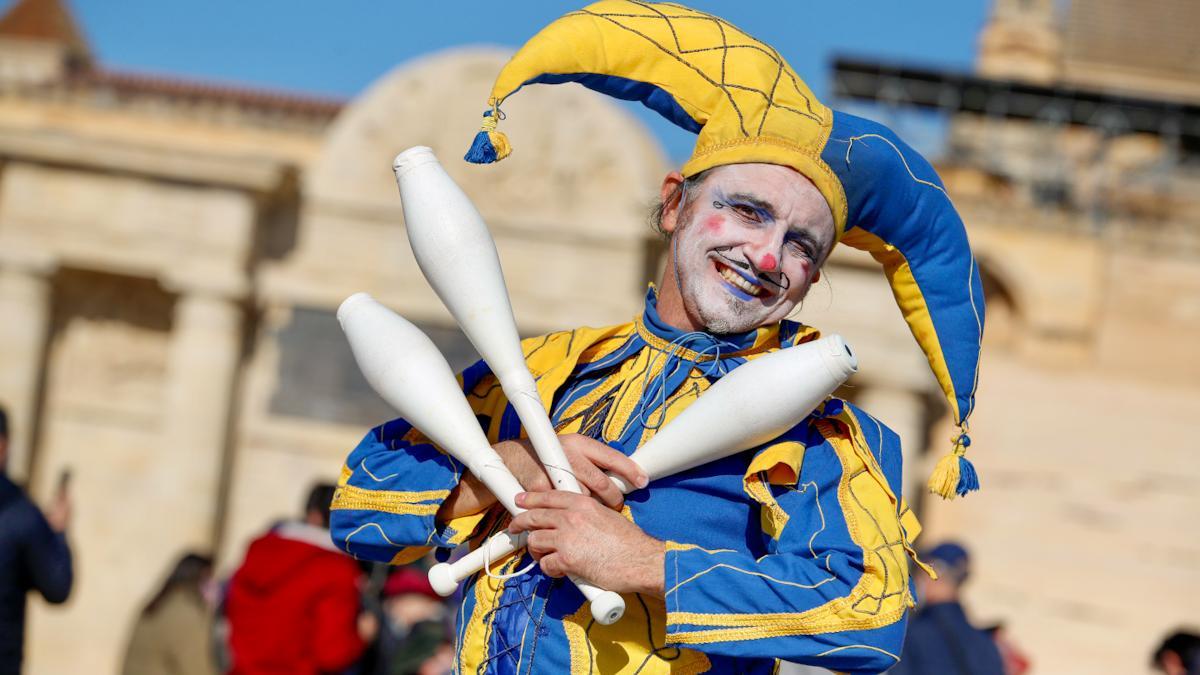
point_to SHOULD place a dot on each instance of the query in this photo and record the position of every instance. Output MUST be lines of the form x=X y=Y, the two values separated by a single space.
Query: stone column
x=25 y=293
x=904 y=411
x=205 y=347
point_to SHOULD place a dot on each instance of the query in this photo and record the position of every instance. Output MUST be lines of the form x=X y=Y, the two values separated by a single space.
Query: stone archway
x=1002 y=330
x=567 y=206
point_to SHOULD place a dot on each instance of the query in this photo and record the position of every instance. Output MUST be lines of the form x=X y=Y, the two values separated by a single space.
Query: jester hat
x=746 y=104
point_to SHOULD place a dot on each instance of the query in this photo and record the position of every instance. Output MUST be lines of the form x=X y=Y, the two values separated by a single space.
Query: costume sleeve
x=832 y=590
x=47 y=559
x=395 y=481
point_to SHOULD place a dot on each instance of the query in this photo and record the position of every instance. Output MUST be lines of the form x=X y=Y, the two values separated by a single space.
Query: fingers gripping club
x=731 y=416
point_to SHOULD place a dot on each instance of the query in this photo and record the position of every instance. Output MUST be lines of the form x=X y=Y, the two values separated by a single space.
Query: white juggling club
x=404 y=366
x=458 y=257
x=758 y=401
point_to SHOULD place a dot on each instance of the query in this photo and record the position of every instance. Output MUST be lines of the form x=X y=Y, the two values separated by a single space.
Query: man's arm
x=48 y=557
x=832 y=590
x=395 y=481
x=392 y=487
x=399 y=495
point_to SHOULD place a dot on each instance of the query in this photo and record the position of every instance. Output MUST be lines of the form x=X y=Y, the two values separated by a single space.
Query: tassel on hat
x=954 y=474
x=490 y=145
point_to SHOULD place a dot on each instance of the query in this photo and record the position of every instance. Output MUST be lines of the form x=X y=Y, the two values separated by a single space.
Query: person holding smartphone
x=34 y=555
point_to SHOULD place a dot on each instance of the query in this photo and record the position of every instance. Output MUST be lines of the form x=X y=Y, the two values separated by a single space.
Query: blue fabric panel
x=376 y=535
x=653 y=97
x=894 y=193
x=815 y=549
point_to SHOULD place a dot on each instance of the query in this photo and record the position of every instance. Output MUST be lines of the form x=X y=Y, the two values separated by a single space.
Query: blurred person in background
x=34 y=555
x=413 y=626
x=1016 y=661
x=293 y=605
x=172 y=636
x=1179 y=654
x=940 y=638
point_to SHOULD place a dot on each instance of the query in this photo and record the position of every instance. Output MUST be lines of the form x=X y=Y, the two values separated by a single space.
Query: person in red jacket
x=293 y=605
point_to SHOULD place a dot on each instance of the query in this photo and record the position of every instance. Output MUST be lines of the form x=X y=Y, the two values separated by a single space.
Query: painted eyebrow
x=818 y=246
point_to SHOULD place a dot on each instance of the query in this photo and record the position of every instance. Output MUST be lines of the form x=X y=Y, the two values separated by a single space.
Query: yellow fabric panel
x=772 y=517
x=853 y=428
x=621 y=649
x=464 y=526
x=683 y=546
x=387 y=501
x=912 y=306
x=553 y=357
x=410 y=555
x=627 y=384
x=781 y=463
x=908 y=520
x=474 y=649
x=753 y=108
x=644 y=367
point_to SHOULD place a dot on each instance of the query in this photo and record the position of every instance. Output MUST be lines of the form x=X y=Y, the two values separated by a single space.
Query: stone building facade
x=1087 y=224
x=171 y=254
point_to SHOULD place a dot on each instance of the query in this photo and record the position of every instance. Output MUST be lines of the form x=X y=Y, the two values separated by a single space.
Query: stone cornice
x=46 y=147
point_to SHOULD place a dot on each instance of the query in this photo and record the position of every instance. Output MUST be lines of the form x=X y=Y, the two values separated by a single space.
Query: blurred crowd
x=296 y=604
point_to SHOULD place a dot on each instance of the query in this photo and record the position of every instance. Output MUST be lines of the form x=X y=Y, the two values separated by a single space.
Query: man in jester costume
x=797 y=549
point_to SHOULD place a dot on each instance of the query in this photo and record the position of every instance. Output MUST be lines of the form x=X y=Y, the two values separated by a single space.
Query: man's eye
x=800 y=249
x=746 y=212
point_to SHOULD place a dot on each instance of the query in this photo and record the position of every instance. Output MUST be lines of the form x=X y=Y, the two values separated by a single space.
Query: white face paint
x=746 y=247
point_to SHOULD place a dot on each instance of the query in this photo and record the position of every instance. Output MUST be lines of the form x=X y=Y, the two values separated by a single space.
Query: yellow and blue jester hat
x=746 y=104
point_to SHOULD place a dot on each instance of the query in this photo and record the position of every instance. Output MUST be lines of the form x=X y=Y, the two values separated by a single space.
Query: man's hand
x=589 y=459
x=58 y=513
x=574 y=535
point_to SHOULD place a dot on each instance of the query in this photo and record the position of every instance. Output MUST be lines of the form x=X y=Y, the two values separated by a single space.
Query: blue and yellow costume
x=794 y=550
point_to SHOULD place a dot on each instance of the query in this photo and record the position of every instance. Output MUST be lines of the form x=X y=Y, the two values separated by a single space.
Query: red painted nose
x=767 y=263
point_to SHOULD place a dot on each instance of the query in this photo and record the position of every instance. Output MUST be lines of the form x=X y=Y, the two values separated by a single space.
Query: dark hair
x=320 y=497
x=3 y=422
x=191 y=570
x=690 y=186
x=1183 y=643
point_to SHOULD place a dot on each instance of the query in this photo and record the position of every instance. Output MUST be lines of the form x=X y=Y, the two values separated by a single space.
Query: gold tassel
x=954 y=474
x=944 y=480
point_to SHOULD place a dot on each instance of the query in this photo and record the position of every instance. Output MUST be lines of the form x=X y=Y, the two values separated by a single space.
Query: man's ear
x=817 y=277
x=671 y=196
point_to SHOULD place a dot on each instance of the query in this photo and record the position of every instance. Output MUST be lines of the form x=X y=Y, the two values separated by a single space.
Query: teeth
x=736 y=279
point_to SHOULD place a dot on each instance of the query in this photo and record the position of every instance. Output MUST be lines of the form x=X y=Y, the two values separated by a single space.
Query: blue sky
x=338 y=48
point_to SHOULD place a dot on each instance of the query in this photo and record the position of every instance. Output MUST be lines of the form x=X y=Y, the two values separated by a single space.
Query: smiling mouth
x=739 y=282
